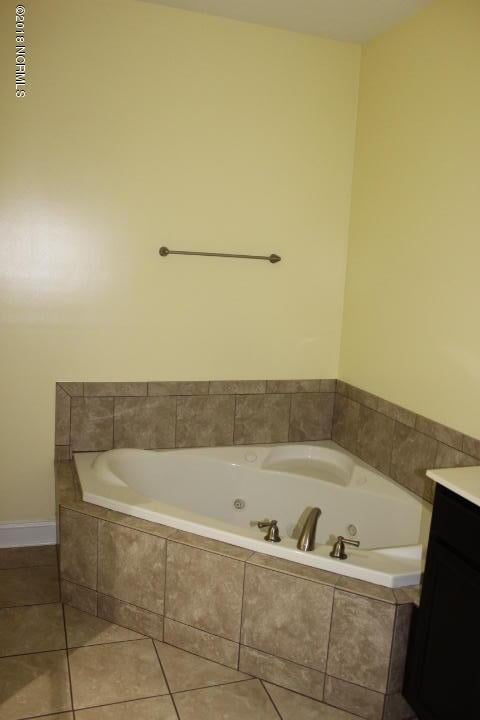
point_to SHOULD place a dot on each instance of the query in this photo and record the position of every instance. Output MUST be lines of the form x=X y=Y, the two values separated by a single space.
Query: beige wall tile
x=65 y=490
x=448 y=457
x=366 y=589
x=92 y=423
x=294 y=386
x=396 y=412
x=131 y=566
x=286 y=617
x=114 y=389
x=74 y=389
x=358 y=700
x=397 y=708
x=178 y=388
x=345 y=422
x=261 y=419
x=205 y=421
x=62 y=453
x=409 y=594
x=216 y=546
x=130 y=616
x=439 y=432
x=79 y=597
x=216 y=602
x=311 y=416
x=282 y=672
x=237 y=387
x=294 y=568
x=201 y=643
x=471 y=446
x=78 y=548
x=403 y=619
x=146 y=422
x=375 y=438
x=62 y=416
x=413 y=453
x=361 y=640
x=363 y=397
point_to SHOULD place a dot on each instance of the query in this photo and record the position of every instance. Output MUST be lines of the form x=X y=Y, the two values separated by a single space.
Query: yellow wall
x=145 y=126
x=411 y=328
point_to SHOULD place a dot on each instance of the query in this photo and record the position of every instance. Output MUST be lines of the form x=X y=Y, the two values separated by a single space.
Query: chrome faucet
x=338 y=550
x=306 y=540
x=272 y=530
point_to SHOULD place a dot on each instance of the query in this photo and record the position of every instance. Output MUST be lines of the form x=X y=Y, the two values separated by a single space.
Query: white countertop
x=463 y=481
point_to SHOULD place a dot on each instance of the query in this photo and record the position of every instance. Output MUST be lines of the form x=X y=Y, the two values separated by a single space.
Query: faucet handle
x=338 y=550
x=272 y=533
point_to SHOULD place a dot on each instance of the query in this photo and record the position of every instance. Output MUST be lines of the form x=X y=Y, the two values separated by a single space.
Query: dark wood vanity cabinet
x=442 y=679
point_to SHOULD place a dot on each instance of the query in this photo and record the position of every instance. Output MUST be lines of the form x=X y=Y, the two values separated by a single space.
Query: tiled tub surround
x=396 y=441
x=159 y=415
x=326 y=636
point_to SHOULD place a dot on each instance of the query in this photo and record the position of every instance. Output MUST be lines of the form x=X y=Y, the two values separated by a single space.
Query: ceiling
x=349 y=20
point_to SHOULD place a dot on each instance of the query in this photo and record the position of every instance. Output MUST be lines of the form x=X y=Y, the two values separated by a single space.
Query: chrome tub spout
x=306 y=540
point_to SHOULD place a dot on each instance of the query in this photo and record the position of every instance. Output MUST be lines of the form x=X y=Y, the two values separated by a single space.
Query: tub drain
x=239 y=504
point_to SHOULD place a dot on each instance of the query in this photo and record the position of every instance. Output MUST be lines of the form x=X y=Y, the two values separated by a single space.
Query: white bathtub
x=196 y=490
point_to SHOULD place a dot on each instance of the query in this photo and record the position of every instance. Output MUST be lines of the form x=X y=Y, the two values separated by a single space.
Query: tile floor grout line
x=262 y=683
x=42 y=604
x=105 y=705
x=26 y=567
x=210 y=687
x=112 y=642
x=68 y=659
x=34 y=652
x=40 y=717
x=165 y=678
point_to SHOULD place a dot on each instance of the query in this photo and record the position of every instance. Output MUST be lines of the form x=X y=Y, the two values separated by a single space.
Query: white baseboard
x=26 y=534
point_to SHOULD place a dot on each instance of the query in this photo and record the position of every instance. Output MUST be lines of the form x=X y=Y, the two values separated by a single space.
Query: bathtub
x=221 y=493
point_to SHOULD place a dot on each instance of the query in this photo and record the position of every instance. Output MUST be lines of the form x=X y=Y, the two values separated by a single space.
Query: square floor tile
x=84 y=629
x=34 y=685
x=103 y=674
x=293 y=706
x=31 y=629
x=185 y=671
x=159 y=708
x=29 y=586
x=43 y=555
x=238 y=701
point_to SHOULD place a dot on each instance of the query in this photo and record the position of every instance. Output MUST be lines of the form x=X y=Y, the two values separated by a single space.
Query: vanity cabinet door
x=443 y=670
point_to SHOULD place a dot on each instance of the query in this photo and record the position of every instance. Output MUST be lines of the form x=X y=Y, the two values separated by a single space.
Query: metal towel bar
x=164 y=251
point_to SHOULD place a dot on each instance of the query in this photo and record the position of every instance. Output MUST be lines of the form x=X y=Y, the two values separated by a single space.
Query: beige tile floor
x=59 y=663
